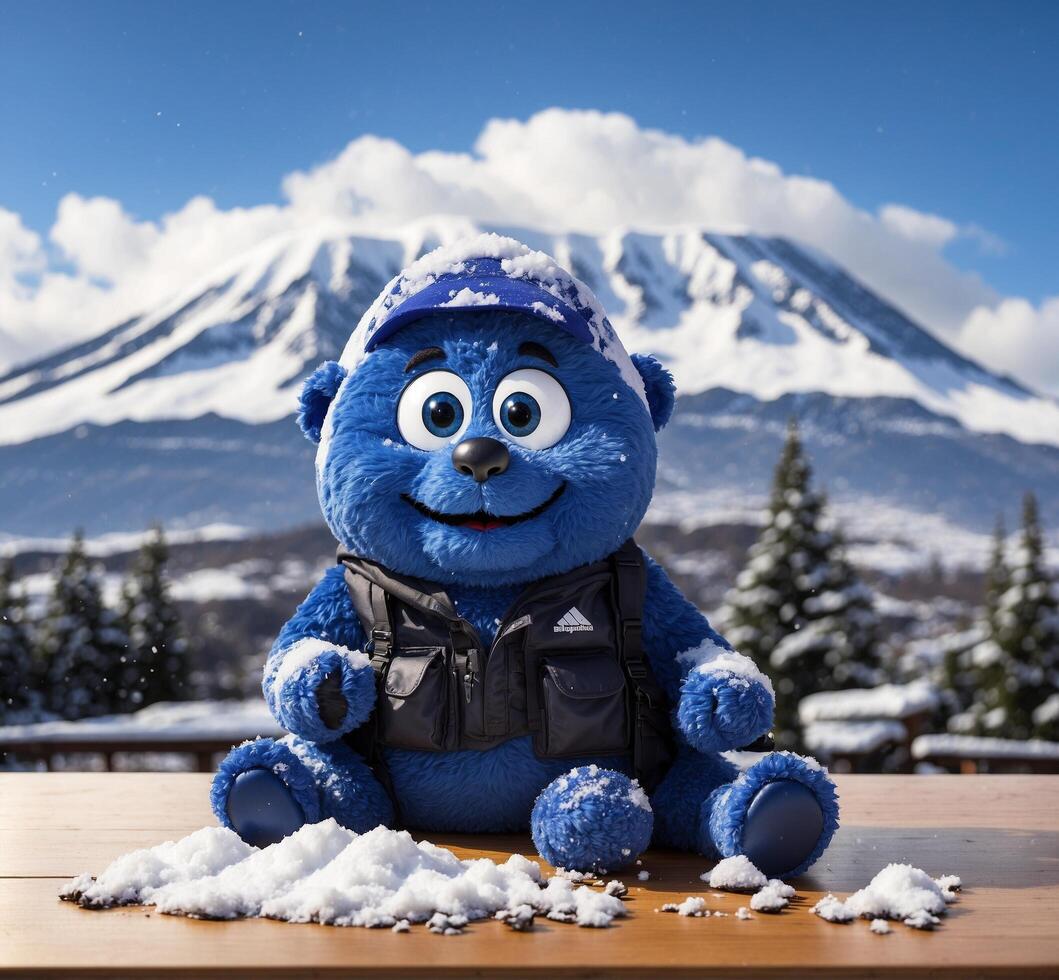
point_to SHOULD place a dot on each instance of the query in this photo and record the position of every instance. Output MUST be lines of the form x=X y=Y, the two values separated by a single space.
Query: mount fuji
x=183 y=414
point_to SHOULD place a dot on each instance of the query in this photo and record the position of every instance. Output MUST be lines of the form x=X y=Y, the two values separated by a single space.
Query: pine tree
x=82 y=644
x=1027 y=632
x=156 y=668
x=970 y=673
x=15 y=647
x=798 y=608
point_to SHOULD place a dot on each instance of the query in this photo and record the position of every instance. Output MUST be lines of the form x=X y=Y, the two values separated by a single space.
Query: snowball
x=949 y=885
x=773 y=897
x=743 y=913
x=616 y=888
x=519 y=918
x=693 y=905
x=644 y=875
x=899 y=891
x=880 y=927
x=833 y=909
x=735 y=874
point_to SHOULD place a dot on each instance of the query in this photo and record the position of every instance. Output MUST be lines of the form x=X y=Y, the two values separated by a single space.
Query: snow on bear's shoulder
x=709 y=657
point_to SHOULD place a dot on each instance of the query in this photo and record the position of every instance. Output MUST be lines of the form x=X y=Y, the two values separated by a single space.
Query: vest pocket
x=583 y=706
x=414 y=707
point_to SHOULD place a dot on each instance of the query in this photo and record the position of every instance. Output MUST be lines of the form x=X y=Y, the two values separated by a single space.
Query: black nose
x=480 y=458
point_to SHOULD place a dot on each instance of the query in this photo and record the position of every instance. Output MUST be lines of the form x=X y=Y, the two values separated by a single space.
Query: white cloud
x=560 y=170
x=100 y=238
x=916 y=226
x=1017 y=337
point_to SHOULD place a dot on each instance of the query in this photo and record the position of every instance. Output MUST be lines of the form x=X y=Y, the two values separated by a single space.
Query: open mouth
x=482 y=520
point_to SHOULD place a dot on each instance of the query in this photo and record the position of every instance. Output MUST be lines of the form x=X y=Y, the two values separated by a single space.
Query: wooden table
x=1001 y=833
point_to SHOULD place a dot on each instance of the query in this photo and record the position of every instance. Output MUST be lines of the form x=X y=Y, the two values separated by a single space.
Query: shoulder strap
x=652 y=735
x=630 y=582
x=426 y=596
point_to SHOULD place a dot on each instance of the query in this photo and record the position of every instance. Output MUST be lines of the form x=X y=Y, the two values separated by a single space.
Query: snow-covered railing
x=889 y=701
x=976 y=753
x=201 y=728
x=831 y=739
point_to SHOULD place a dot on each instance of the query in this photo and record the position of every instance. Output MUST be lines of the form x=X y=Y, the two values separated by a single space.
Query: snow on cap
x=489 y=271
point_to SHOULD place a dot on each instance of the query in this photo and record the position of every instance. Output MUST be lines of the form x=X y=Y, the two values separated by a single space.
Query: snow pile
x=899 y=891
x=735 y=874
x=134 y=877
x=325 y=873
x=774 y=897
x=889 y=701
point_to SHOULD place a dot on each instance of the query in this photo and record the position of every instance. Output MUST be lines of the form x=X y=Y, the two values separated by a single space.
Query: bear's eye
x=531 y=408
x=433 y=410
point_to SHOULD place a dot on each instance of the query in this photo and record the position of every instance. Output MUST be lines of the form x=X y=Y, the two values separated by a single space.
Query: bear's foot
x=260 y=808
x=591 y=819
x=781 y=813
x=267 y=789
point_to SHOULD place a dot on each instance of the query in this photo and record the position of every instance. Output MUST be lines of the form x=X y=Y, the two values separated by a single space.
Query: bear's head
x=484 y=424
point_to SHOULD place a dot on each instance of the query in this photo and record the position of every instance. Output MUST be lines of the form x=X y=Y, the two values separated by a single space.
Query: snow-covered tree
x=16 y=649
x=1027 y=630
x=798 y=608
x=1014 y=670
x=156 y=667
x=82 y=645
x=970 y=669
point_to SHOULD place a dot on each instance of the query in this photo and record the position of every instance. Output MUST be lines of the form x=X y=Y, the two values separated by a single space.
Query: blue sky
x=946 y=107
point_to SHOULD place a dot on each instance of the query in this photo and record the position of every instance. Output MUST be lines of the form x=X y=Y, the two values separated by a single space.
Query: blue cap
x=482 y=284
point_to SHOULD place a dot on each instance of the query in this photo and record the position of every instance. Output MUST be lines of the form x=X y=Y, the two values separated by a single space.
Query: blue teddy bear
x=486 y=449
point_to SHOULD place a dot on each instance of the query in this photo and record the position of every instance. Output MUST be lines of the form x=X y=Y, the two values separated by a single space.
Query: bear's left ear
x=317 y=393
x=660 y=387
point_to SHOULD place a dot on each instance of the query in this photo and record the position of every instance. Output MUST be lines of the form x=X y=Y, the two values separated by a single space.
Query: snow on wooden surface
x=327 y=874
x=998 y=831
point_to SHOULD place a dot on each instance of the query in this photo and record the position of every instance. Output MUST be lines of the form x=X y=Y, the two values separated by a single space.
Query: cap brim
x=483 y=293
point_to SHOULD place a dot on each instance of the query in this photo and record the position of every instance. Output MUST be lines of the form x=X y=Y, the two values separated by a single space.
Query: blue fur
x=721 y=711
x=326 y=614
x=356 y=799
x=320 y=387
x=724 y=813
x=660 y=387
x=607 y=462
x=588 y=819
x=277 y=758
x=606 y=459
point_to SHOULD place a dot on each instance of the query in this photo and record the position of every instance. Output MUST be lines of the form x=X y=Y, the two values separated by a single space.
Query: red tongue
x=476 y=525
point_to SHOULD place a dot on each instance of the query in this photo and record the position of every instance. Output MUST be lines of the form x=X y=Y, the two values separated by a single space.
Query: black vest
x=567 y=666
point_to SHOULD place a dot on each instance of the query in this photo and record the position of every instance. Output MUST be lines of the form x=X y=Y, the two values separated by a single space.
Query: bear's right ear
x=317 y=393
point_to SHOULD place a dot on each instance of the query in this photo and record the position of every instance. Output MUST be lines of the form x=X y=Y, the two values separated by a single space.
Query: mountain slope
x=182 y=413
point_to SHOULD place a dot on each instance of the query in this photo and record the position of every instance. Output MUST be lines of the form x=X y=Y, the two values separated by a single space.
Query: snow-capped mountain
x=181 y=413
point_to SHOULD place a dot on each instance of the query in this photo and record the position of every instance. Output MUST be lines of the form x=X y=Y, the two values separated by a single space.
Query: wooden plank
x=1001 y=833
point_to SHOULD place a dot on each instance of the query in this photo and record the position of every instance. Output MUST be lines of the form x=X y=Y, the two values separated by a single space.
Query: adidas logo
x=573 y=622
